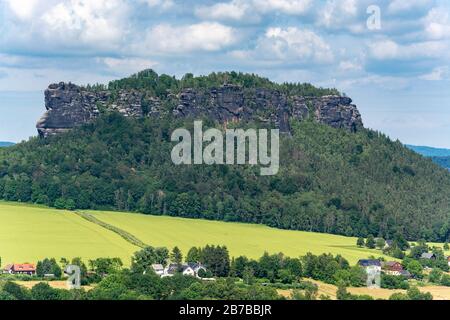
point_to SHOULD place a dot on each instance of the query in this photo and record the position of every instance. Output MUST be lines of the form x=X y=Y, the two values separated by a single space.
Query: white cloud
x=100 y=23
x=163 y=4
x=350 y=66
x=335 y=12
x=289 y=45
x=437 y=23
x=23 y=9
x=298 y=44
x=438 y=73
x=251 y=10
x=292 y=7
x=205 y=36
x=405 y=5
x=234 y=10
x=390 y=83
x=127 y=66
x=388 y=50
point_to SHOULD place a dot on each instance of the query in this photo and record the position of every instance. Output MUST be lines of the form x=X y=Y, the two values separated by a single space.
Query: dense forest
x=330 y=180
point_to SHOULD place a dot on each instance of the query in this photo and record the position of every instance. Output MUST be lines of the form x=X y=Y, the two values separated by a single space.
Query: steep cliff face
x=69 y=106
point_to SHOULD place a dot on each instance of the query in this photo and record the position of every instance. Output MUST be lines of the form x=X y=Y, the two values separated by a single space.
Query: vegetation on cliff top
x=162 y=85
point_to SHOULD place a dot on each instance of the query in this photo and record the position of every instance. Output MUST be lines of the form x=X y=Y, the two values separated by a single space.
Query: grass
x=29 y=233
x=241 y=239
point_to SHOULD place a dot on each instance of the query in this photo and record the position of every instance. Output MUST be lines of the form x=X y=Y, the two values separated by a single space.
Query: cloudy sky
x=397 y=74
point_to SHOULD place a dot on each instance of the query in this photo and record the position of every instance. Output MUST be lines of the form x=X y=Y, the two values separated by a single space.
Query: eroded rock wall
x=69 y=106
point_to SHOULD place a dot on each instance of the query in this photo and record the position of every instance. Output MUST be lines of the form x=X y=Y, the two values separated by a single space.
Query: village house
x=406 y=274
x=188 y=269
x=389 y=244
x=393 y=268
x=428 y=256
x=159 y=269
x=25 y=268
x=368 y=263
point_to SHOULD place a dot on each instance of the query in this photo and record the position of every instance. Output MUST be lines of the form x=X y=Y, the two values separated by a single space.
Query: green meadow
x=29 y=233
x=241 y=239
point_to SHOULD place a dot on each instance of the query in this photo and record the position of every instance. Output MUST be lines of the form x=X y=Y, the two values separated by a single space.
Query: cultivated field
x=30 y=233
x=241 y=239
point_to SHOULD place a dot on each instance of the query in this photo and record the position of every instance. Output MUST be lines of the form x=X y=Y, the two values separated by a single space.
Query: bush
x=435 y=276
x=65 y=204
x=394 y=282
x=445 y=280
x=17 y=292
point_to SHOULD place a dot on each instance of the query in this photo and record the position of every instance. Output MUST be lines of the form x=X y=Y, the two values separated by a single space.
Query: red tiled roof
x=26 y=267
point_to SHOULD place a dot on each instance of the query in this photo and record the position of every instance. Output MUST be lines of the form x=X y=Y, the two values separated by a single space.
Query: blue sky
x=398 y=74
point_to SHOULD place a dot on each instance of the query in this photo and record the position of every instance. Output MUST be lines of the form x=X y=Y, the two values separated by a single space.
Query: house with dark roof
x=370 y=263
x=406 y=274
x=187 y=269
x=389 y=244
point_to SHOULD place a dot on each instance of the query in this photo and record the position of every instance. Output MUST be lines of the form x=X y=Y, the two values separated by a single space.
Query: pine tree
x=194 y=255
x=176 y=256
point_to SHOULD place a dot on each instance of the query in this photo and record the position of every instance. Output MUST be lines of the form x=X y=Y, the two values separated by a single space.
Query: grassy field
x=241 y=239
x=29 y=233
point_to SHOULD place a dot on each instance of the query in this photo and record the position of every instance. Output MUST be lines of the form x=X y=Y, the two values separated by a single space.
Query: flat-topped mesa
x=69 y=106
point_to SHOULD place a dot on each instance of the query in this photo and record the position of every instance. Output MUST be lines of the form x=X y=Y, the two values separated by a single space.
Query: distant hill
x=429 y=151
x=442 y=161
x=5 y=144
x=438 y=155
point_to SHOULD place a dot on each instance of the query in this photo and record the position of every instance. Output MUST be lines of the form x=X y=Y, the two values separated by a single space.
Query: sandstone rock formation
x=69 y=106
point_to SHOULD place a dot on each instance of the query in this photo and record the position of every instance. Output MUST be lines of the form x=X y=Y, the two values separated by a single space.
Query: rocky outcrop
x=69 y=106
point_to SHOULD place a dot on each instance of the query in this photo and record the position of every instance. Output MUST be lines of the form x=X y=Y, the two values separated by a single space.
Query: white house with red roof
x=17 y=268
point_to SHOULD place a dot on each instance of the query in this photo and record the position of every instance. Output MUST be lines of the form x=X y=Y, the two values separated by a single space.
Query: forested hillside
x=331 y=180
